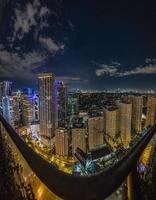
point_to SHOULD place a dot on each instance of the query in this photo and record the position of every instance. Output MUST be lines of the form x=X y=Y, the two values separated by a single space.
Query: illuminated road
x=63 y=163
x=146 y=155
x=67 y=186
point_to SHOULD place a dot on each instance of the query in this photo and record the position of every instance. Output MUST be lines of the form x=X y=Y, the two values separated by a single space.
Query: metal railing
x=46 y=177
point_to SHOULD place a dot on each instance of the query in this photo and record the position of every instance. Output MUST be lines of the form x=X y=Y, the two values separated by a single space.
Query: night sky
x=90 y=44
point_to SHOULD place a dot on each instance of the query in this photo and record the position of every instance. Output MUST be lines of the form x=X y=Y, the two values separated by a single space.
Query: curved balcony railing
x=68 y=186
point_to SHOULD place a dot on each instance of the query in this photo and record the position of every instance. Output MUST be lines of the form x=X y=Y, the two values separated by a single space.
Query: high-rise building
x=5 y=90
x=137 y=109
x=30 y=110
x=127 y=98
x=61 y=141
x=111 y=121
x=78 y=139
x=95 y=131
x=47 y=107
x=73 y=105
x=35 y=108
x=151 y=111
x=125 y=116
x=10 y=105
x=26 y=103
x=60 y=103
x=1 y=94
x=30 y=106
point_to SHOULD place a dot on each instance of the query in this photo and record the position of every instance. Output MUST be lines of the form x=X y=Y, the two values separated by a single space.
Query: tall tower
x=151 y=111
x=125 y=115
x=78 y=139
x=27 y=111
x=137 y=109
x=29 y=107
x=10 y=105
x=73 y=105
x=60 y=103
x=111 y=121
x=95 y=131
x=61 y=142
x=1 y=95
x=46 y=107
x=5 y=90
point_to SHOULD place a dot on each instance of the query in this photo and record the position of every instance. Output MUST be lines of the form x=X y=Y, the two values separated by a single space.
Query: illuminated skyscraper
x=46 y=107
x=61 y=142
x=35 y=108
x=111 y=121
x=5 y=90
x=151 y=111
x=78 y=139
x=10 y=105
x=1 y=92
x=73 y=105
x=26 y=103
x=137 y=108
x=29 y=106
x=1 y=109
x=95 y=131
x=29 y=109
x=60 y=103
x=125 y=116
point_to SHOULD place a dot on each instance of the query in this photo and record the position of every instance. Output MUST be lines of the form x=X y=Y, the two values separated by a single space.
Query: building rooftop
x=44 y=75
x=111 y=108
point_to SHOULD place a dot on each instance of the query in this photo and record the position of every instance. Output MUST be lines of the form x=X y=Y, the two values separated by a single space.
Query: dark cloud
x=90 y=44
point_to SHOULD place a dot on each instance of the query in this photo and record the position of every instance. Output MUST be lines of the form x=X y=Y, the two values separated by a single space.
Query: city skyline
x=79 y=134
x=77 y=100
x=110 y=45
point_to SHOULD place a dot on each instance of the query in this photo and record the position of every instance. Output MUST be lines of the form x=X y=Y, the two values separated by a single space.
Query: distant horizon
x=16 y=85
